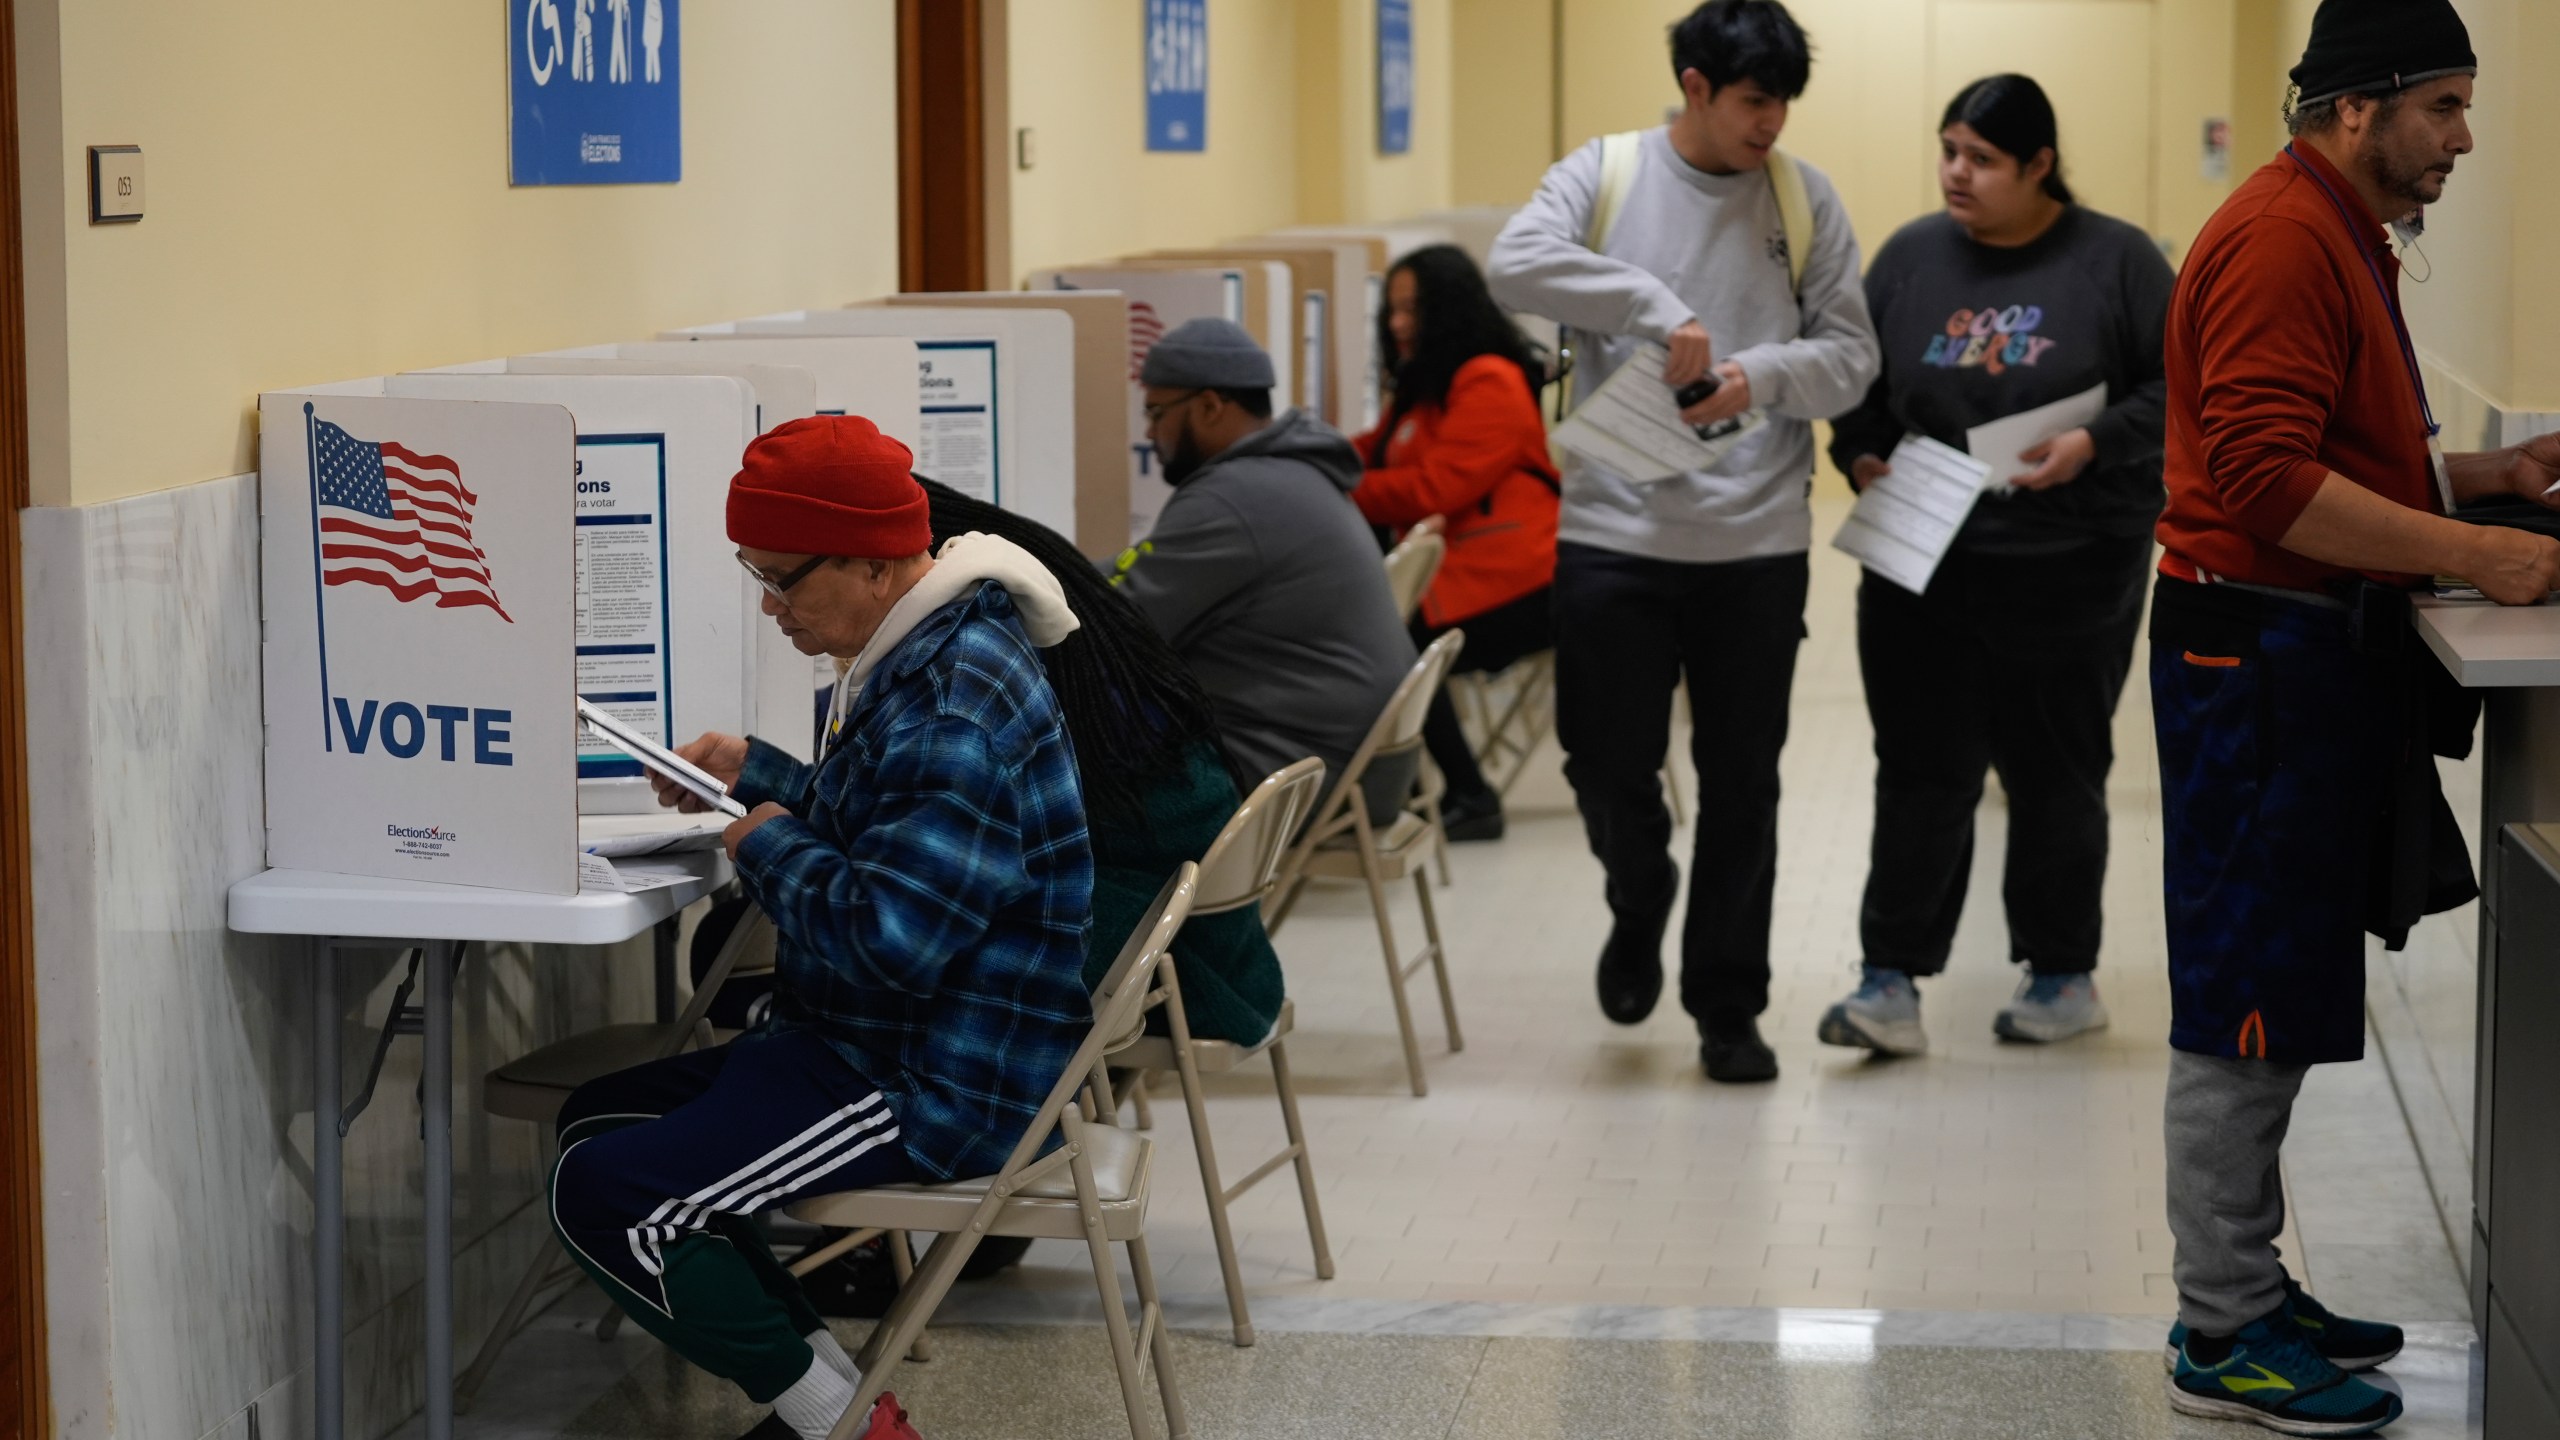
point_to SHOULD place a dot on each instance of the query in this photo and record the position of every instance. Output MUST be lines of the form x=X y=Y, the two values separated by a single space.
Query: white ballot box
x=417 y=585
x=1159 y=300
x=995 y=396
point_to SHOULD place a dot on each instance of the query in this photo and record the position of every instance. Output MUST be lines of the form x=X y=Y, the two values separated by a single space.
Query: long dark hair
x=2011 y=112
x=1132 y=708
x=1459 y=323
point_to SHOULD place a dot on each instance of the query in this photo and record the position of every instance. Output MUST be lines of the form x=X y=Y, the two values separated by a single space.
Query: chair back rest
x=1411 y=567
x=1398 y=729
x=1119 y=1007
x=1242 y=862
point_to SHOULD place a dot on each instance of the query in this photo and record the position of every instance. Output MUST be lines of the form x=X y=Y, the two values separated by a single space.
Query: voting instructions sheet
x=623 y=628
x=956 y=411
x=1632 y=427
x=1998 y=443
x=1905 y=521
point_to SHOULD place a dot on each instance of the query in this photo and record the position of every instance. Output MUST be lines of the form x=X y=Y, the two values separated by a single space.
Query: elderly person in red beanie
x=930 y=881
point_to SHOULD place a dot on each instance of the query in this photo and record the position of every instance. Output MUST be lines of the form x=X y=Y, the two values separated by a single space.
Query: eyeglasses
x=1156 y=413
x=775 y=588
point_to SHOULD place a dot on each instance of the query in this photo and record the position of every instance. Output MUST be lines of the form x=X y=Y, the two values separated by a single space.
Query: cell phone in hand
x=1695 y=393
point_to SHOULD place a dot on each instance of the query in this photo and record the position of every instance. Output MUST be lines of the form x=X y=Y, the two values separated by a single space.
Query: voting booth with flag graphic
x=418 y=585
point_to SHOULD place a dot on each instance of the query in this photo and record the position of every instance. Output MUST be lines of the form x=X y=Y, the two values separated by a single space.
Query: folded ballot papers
x=1905 y=521
x=661 y=832
x=596 y=874
x=1632 y=428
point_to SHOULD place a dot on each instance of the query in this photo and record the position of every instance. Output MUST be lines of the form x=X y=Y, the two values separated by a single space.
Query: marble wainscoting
x=175 y=1053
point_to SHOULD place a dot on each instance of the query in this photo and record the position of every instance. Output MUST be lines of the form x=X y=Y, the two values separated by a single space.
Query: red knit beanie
x=829 y=485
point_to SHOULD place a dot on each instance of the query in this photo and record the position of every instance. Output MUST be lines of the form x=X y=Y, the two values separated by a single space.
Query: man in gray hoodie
x=1700 y=575
x=1260 y=572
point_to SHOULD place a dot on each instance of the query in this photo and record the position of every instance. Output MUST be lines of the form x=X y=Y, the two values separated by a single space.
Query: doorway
x=942 y=209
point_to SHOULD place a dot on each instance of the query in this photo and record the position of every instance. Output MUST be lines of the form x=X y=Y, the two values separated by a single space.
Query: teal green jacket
x=1231 y=985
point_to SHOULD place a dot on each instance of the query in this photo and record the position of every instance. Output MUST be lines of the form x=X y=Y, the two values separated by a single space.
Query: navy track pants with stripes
x=662 y=1165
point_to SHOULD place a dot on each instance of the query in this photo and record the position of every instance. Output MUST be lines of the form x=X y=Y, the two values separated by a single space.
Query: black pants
x=1496 y=640
x=1627 y=630
x=2011 y=663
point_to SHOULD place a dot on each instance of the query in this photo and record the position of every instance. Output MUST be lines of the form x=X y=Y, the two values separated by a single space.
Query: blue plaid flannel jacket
x=932 y=885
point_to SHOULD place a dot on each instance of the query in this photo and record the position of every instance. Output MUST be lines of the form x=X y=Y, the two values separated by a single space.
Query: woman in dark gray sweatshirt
x=2014 y=297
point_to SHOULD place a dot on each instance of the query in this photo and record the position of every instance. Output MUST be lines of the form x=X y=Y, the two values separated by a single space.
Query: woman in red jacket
x=1463 y=440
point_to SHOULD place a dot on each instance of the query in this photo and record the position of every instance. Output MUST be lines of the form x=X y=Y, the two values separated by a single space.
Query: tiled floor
x=1566 y=1168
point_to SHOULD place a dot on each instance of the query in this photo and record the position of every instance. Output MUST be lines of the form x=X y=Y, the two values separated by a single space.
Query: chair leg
x=1439 y=964
x=1439 y=838
x=1177 y=1420
x=1145 y=1116
x=1220 y=1230
x=902 y=1264
x=879 y=1356
x=1106 y=1279
x=510 y=1320
x=1395 y=968
x=1297 y=1132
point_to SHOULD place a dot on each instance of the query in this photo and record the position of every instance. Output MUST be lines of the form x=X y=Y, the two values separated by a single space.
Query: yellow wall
x=327 y=198
x=1292 y=127
x=1502 y=111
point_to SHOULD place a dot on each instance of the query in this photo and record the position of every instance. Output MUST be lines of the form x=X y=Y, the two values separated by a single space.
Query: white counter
x=2493 y=647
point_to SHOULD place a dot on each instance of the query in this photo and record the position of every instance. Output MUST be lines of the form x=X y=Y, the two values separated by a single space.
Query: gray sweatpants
x=2226 y=1121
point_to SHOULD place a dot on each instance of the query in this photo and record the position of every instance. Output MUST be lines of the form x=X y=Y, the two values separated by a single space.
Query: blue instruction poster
x=1177 y=74
x=1395 y=76
x=593 y=92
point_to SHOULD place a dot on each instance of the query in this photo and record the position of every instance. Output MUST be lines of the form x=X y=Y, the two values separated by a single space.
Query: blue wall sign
x=593 y=90
x=1177 y=74
x=1395 y=76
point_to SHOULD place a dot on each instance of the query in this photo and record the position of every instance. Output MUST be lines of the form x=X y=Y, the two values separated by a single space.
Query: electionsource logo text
x=419 y=832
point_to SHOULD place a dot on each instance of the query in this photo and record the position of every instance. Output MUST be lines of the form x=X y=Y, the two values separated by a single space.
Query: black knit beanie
x=2375 y=46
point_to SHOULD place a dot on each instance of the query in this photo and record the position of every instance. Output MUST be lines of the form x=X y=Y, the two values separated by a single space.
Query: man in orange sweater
x=2307 y=497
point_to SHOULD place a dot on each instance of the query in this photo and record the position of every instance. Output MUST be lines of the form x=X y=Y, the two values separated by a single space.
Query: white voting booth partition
x=419 y=606
x=783 y=393
x=664 y=615
x=1292 y=324
x=995 y=392
x=1159 y=300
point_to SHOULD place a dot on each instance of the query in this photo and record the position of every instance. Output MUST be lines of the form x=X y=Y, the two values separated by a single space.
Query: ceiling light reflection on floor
x=1827 y=1337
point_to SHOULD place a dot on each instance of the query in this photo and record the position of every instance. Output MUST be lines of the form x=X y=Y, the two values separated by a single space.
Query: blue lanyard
x=2390 y=301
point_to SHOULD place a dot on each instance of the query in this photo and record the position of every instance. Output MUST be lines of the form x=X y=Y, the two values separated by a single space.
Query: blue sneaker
x=1882 y=1014
x=2049 y=1008
x=2274 y=1378
x=2347 y=1344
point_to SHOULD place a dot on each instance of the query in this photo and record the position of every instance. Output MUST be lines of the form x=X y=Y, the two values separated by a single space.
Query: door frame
x=942 y=146
x=24 y=1407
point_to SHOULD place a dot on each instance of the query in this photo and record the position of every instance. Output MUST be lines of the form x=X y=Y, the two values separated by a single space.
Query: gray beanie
x=1207 y=354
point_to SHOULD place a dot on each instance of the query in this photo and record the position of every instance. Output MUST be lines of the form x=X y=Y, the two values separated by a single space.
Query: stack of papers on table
x=629 y=877
x=659 y=833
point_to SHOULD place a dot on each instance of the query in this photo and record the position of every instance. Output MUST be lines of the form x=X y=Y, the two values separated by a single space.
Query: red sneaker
x=889 y=1421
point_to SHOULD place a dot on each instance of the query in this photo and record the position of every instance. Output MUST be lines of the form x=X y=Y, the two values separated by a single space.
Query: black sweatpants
x=1496 y=640
x=1627 y=630
x=2014 y=663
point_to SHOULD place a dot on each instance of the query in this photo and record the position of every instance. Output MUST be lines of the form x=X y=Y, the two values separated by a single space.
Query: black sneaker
x=1734 y=1053
x=1473 y=816
x=1630 y=976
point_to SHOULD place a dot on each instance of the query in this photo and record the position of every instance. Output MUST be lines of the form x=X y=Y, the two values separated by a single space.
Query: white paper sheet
x=1632 y=427
x=1999 y=442
x=661 y=832
x=1905 y=521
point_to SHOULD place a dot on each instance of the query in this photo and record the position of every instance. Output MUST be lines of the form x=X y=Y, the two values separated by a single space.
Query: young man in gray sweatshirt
x=1702 y=574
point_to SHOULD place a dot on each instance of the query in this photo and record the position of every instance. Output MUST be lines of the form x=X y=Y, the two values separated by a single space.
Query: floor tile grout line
x=1484 y=1352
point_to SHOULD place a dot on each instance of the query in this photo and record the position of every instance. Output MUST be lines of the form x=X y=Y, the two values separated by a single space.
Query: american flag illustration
x=1146 y=327
x=392 y=517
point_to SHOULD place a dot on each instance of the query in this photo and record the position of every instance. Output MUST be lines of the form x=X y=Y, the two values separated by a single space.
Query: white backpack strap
x=1619 y=156
x=1795 y=214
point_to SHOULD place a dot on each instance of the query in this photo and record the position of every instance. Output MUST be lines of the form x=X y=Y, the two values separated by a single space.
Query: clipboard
x=697 y=781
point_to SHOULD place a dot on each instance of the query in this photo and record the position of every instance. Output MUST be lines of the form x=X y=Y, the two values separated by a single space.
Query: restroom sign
x=593 y=92
x=1177 y=74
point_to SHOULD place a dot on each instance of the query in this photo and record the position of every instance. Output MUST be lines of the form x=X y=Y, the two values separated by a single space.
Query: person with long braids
x=1462 y=440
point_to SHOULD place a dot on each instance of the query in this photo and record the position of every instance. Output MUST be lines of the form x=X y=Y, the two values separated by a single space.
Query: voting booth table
x=451 y=563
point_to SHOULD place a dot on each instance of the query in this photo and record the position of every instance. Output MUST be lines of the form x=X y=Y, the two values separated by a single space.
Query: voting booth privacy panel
x=417 y=585
x=1159 y=300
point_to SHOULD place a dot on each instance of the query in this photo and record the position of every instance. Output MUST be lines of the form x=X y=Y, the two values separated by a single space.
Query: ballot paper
x=659 y=832
x=1631 y=426
x=598 y=875
x=1999 y=443
x=1905 y=521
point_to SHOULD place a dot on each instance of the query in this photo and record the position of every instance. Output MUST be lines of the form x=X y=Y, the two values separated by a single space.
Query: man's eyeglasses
x=776 y=588
x=1156 y=413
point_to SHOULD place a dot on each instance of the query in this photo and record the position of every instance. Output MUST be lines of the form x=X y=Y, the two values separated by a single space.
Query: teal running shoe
x=2347 y=1344
x=2275 y=1379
